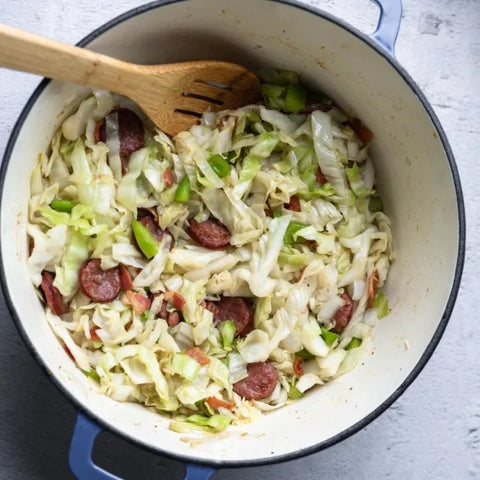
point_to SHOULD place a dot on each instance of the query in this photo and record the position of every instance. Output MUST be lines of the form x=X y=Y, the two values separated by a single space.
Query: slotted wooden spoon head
x=174 y=96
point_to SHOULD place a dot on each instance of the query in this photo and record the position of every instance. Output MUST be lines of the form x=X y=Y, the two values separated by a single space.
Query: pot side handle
x=388 y=24
x=80 y=455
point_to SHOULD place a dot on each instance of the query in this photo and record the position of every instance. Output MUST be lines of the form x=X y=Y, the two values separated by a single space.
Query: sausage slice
x=52 y=295
x=235 y=309
x=260 y=383
x=210 y=234
x=130 y=131
x=99 y=285
x=344 y=314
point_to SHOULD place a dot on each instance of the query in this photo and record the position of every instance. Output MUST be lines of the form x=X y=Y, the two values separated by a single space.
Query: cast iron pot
x=416 y=175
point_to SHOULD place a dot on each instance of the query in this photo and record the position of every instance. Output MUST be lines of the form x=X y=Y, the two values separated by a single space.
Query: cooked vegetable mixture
x=218 y=274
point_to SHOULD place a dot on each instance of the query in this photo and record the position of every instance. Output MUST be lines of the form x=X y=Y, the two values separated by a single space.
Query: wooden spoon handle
x=27 y=52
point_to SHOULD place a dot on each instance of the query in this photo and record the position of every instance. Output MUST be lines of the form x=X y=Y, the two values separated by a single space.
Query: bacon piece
x=52 y=295
x=175 y=298
x=93 y=335
x=216 y=403
x=168 y=177
x=125 y=278
x=320 y=177
x=139 y=302
x=344 y=314
x=372 y=288
x=68 y=352
x=298 y=366
x=99 y=132
x=362 y=132
x=198 y=355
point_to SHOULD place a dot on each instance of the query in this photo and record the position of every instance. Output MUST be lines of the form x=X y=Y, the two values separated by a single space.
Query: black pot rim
x=428 y=351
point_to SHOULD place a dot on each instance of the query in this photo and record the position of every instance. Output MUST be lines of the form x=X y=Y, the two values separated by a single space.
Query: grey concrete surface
x=433 y=430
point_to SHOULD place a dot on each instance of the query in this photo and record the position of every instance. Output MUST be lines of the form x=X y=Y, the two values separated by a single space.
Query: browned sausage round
x=130 y=132
x=210 y=234
x=344 y=314
x=260 y=383
x=235 y=309
x=52 y=295
x=99 y=285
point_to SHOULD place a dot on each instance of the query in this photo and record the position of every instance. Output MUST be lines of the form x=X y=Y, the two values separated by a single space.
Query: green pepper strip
x=182 y=194
x=62 y=205
x=295 y=99
x=272 y=91
x=227 y=331
x=375 y=204
x=219 y=165
x=354 y=343
x=294 y=393
x=305 y=354
x=146 y=241
x=293 y=227
x=93 y=374
x=329 y=337
x=381 y=304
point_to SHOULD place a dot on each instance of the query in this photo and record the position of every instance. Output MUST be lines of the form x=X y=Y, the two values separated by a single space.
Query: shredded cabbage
x=306 y=232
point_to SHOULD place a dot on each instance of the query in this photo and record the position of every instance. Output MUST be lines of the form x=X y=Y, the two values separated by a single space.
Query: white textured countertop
x=433 y=430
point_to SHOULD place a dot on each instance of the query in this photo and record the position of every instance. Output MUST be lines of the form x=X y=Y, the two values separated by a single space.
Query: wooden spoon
x=173 y=95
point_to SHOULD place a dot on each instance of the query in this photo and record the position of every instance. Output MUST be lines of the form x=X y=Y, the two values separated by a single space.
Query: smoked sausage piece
x=131 y=134
x=130 y=131
x=235 y=309
x=52 y=295
x=260 y=383
x=99 y=285
x=344 y=314
x=210 y=234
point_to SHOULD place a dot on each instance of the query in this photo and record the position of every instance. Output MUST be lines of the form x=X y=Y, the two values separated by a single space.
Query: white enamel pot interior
x=416 y=175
